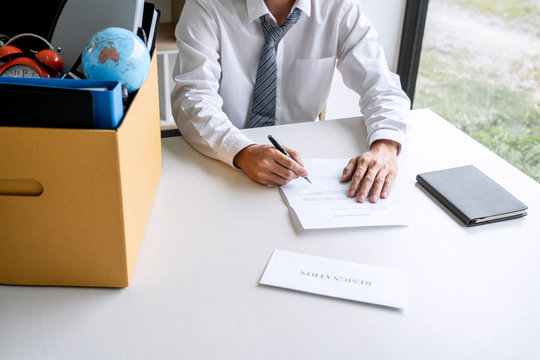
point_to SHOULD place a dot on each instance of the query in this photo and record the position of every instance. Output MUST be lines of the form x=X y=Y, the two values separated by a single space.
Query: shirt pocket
x=311 y=80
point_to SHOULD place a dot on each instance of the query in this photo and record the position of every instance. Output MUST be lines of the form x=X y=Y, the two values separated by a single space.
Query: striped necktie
x=263 y=103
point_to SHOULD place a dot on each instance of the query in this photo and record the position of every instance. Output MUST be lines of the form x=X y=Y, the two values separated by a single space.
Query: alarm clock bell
x=44 y=63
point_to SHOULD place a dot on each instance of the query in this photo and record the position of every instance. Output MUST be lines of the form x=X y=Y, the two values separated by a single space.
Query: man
x=246 y=63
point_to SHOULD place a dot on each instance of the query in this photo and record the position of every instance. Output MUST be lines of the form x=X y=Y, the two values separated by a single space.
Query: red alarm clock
x=44 y=63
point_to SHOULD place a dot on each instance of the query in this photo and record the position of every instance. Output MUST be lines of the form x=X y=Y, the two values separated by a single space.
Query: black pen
x=282 y=150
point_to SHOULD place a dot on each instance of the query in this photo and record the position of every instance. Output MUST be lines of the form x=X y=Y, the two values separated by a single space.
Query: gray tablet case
x=471 y=195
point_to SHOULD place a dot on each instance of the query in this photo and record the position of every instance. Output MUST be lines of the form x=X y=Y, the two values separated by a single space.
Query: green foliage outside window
x=480 y=69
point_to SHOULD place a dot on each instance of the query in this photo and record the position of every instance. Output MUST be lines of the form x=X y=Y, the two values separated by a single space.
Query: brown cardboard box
x=92 y=195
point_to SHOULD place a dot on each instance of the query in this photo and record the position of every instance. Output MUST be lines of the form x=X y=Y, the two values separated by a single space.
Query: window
x=480 y=70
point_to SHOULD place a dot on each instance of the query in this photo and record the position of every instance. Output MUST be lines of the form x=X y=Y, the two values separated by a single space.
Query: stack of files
x=61 y=103
x=150 y=23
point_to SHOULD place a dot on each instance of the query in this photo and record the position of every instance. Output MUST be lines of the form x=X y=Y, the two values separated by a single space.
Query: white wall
x=387 y=18
x=165 y=7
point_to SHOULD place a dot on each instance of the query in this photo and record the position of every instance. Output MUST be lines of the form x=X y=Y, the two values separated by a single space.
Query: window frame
x=411 y=44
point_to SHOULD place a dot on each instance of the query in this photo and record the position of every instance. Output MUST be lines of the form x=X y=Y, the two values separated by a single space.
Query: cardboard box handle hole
x=20 y=187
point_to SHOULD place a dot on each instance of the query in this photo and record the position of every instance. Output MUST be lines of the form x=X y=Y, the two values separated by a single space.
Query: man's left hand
x=373 y=172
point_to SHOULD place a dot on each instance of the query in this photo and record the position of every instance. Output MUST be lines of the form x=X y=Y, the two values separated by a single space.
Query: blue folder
x=108 y=106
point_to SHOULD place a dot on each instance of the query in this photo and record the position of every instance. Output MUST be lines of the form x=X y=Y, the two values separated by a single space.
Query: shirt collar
x=257 y=8
x=305 y=6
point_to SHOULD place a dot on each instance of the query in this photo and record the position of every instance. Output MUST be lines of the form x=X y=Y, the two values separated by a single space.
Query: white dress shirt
x=220 y=43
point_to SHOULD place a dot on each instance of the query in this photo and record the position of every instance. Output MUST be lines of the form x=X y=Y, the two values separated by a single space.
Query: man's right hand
x=265 y=165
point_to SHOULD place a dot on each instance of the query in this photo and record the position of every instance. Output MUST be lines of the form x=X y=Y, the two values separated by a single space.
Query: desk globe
x=116 y=54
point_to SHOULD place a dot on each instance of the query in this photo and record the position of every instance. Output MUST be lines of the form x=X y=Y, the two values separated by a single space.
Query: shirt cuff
x=385 y=134
x=240 y=142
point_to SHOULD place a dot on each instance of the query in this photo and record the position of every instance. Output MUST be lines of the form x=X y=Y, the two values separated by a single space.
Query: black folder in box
x=32 y=106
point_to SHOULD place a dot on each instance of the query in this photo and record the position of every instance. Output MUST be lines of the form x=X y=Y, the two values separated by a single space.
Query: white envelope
x=336 y=278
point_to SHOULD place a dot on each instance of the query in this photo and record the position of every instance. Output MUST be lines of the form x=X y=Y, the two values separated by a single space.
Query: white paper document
x=336 y=278
x=325 y=204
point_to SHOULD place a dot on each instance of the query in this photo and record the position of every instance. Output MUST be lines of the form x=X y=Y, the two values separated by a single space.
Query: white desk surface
x=475 y=292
